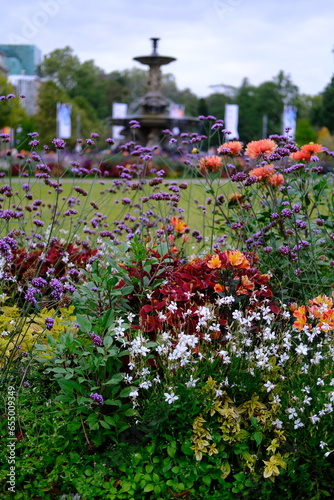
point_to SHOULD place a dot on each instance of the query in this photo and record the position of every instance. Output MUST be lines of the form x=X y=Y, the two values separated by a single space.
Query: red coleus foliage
x=40 y=260
x=200 y=283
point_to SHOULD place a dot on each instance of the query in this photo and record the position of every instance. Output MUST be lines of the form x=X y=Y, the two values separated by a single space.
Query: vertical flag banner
x=290 y=120
x=119 y=110
x=64 y=120
x=231 y=120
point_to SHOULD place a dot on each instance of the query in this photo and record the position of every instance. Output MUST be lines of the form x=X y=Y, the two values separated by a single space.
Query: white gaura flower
x=298 y=423
x=172 y=306
x=269 y=386
x=170 y=398
x=277 y=423
x=192 y=382
x=302 y=349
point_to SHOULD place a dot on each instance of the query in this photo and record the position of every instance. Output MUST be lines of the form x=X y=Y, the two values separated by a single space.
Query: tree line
x=92 y=91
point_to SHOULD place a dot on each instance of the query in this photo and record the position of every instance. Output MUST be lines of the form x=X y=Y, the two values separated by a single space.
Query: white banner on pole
x=64 y=120
x=290 y=120
x=119 y=110
x=231 y=120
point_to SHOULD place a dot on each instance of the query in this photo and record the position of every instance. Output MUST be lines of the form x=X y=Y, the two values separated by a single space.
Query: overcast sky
x=214 y=41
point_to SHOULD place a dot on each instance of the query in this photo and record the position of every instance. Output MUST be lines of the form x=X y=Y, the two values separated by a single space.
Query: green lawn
x=109 y=203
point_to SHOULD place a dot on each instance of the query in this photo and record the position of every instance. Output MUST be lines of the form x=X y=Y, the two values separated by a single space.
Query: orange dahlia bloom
x=237 y=259
x=262 y=173
x=276 y=180
x=234 y=146
x=306 y=152
x=256 y=148
x=237 y=199
x=312 y=149
x=210 y=163
x=300 y=155
x=215 y=262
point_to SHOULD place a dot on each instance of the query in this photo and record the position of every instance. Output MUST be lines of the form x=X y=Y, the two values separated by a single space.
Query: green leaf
x=149 y=487
x=115 y=379
x=94 y=426
x=254 y=421
x=84 y=322
x=69 y=386
x=136 y=459
x=104 y=424
x=125 y=392
x=185 y=448
x=257 y=436
x=113 y=402
x=61 y=459
x=108 y=318
x=130 y=412
x=126 y=486
x=206 y=480
x=171 y=449
x=156 y=477
x=110 y=421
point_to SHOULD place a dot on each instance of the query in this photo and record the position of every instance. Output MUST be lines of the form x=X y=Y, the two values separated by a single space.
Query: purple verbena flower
x=59 y=143
x=96 y=339
x=49 y=322
x=38 y=223
x=97 y=398
x=39 y=282
x=30 y=295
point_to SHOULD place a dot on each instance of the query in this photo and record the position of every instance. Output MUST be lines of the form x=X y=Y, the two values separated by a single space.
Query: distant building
x=3 y=67
x=22 y=63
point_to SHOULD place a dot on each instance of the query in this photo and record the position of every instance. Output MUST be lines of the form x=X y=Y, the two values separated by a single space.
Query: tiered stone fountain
x=153 y=110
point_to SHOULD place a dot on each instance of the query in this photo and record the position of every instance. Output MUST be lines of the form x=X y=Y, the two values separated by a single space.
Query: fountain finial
x=155 y=45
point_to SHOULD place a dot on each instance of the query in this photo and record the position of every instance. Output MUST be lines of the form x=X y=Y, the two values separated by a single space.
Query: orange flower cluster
x=237 y=199
x=235 y=148
x=256 y=148
x=267 y=174
x=233 y=258
x=319 y=309
x=210 y=164
x=306 y=152
x=179 y=225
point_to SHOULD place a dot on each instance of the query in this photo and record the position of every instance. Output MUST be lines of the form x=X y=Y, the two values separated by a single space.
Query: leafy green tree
x=323 y=112
x=250 y=124
x=62 y=67
x=286 y=88
x=203 y=107
x=11 y=111
x=269 y=102
x=216 y=103
x=266 y=100
x=46 y=118
x=305 y=133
